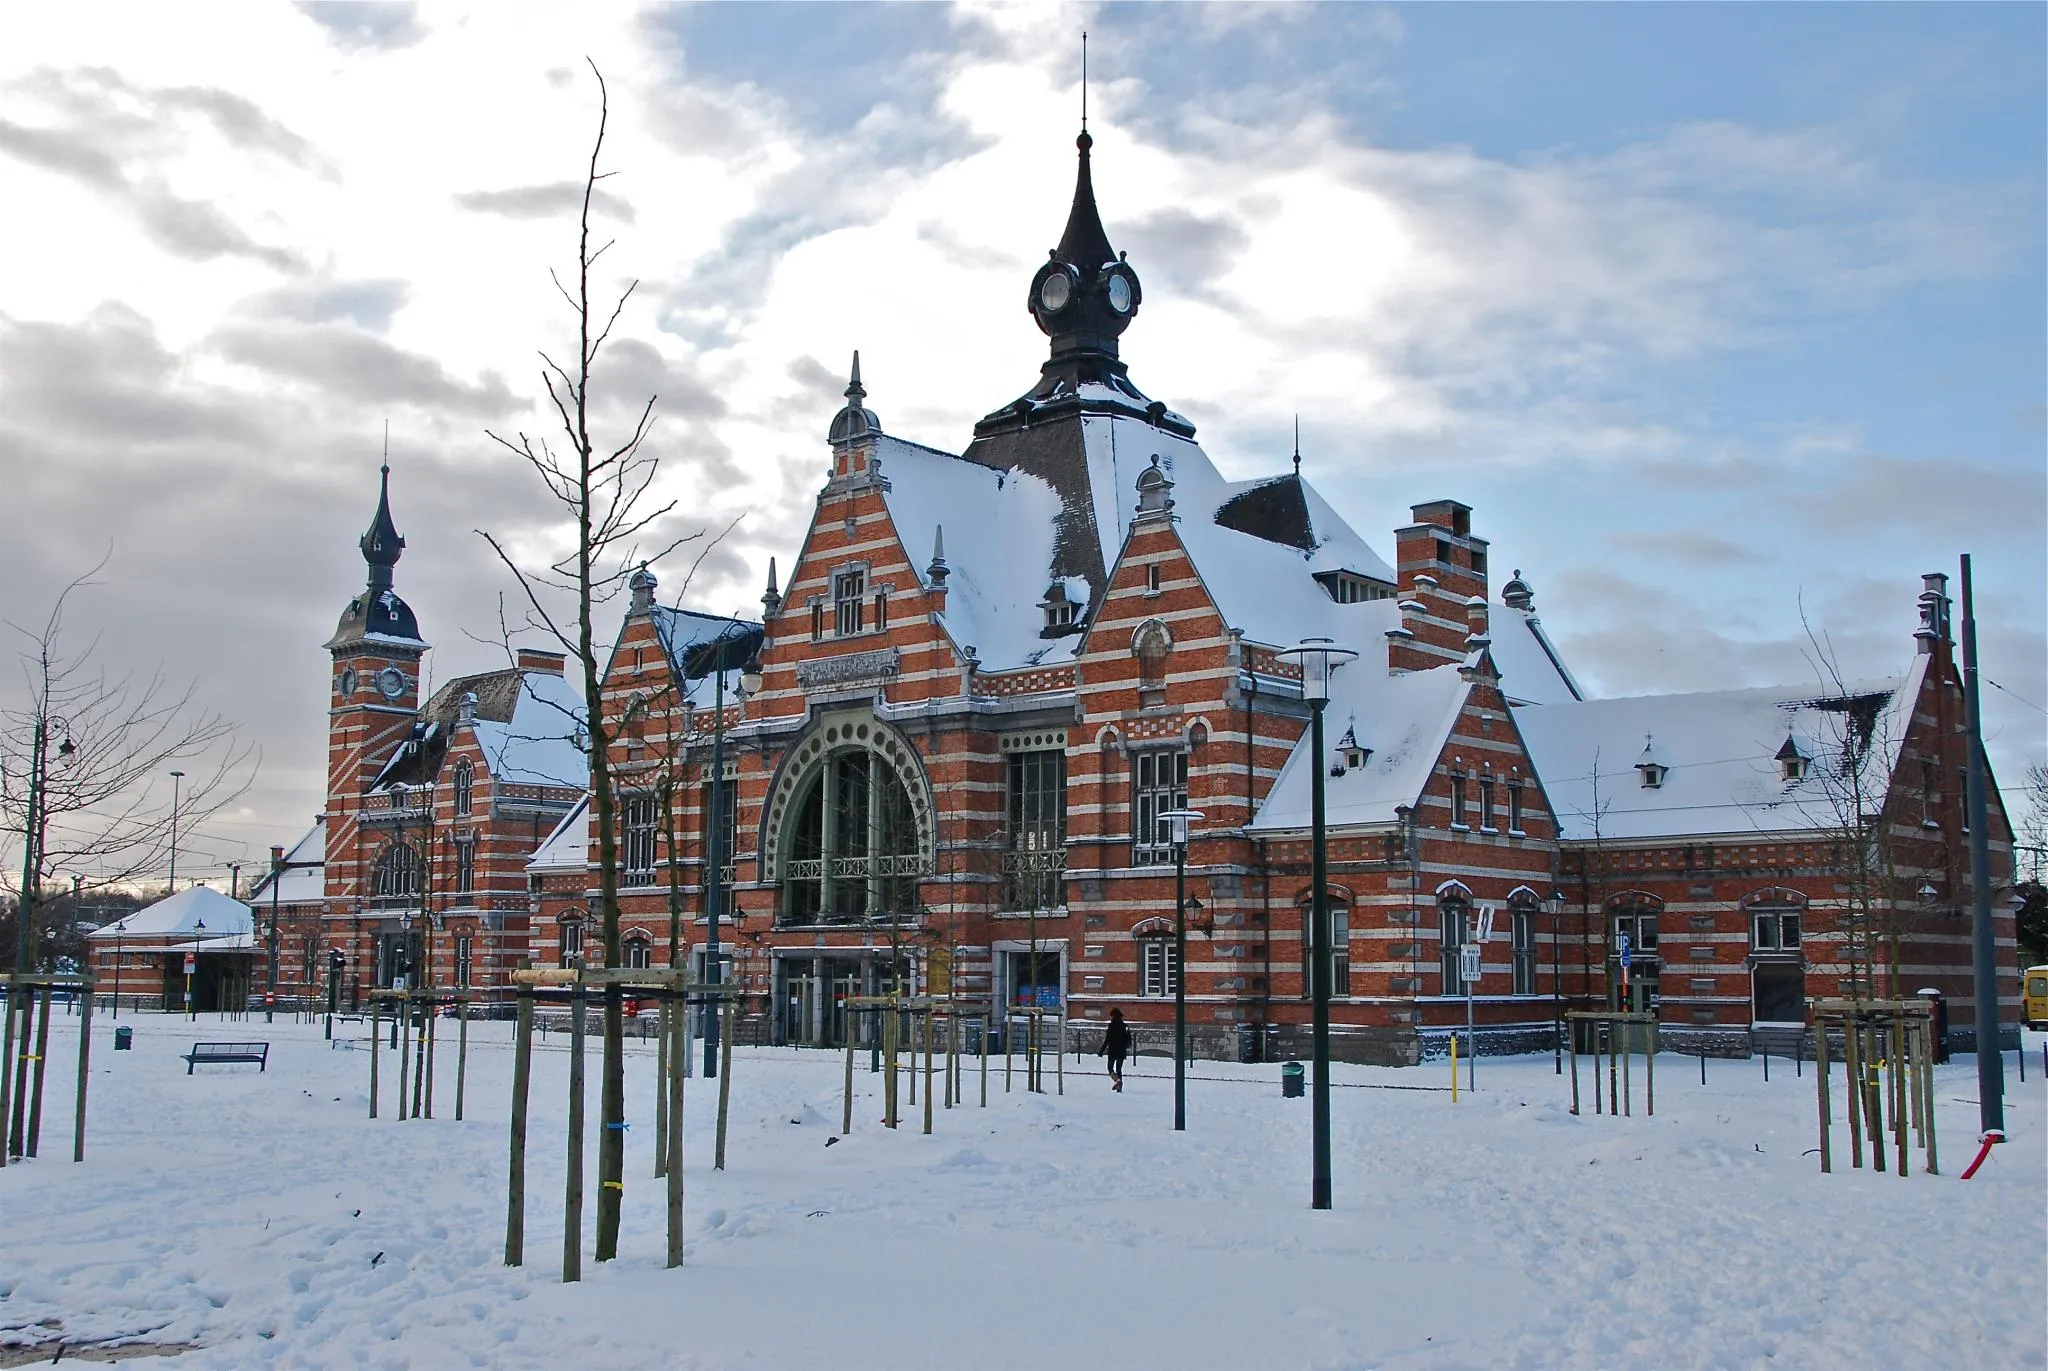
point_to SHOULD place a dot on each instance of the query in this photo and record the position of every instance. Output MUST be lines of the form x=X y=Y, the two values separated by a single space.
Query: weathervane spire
x=1084 y=80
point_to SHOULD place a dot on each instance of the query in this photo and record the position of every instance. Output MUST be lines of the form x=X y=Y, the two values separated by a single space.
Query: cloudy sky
x=1712 y=313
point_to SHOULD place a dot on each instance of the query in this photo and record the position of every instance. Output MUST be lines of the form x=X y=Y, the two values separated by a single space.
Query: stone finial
x=937 y=572
x=1155 y=490
x=771 y=598
x=642 y=584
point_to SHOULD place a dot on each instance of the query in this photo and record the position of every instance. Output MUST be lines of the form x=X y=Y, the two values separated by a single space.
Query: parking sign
x=1468 y=963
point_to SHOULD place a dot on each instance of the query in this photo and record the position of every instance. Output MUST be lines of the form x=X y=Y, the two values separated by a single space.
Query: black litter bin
x=124 y=1038
x=1247 y=1042
x=1291 y=1081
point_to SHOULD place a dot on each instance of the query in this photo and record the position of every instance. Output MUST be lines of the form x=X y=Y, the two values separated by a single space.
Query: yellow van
x=2035 y=1006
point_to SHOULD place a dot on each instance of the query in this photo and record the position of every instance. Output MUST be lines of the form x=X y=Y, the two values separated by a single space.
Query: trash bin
x=1247 y=1042
x=1940 y=1024
x=1291 y=1081
x=124 y=1038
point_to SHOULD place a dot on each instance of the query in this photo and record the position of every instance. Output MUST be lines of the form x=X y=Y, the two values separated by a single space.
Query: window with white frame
x=1159 y=786
x=848 y=591
x=1514 y=806
x=1454 y=911
x=1522 y=928
x=1158 y=967
x=1774 y=928
x=1486 y=804
x=638 y=954
x=465 y=960
x=465 y=782
x=637 y=866
x=1458 y=814
x=1340 y=946
x=569 y=941
x=465 y=865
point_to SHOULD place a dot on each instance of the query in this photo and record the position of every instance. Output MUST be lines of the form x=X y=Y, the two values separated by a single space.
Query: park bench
x=259 y=1053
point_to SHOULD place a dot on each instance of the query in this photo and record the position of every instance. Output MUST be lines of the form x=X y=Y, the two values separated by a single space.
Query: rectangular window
x=1524 y=944
x=638 y=954
x=1479 y=561
x=1454 y=914
x=637 y=864
x=1774 y=930
x=1160 y=785
x=1340 y=949
x=881 y=611
x=817 y=622
x=1152 y=579
x=570 y=942
x=1458 y=817
x=1037 y=829
x=465 y=865
x=722 y=818
x=1514 y=806
x=1930 y=796
x=1158 y=968
x=849 y=589
x=465 y=960
x=1486 y=804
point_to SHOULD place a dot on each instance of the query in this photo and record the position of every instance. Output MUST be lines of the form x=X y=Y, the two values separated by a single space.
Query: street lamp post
x=1177 y=821
x=714 y=877
x=191 y=964
x=1555 y=905
x=176 y=777
x=1319 y=657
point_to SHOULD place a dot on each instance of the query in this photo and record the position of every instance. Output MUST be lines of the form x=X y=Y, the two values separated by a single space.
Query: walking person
x=1116 y=1045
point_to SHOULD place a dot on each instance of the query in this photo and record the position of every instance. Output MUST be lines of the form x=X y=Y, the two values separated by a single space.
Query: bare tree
x=83 y=765
x=602 y=489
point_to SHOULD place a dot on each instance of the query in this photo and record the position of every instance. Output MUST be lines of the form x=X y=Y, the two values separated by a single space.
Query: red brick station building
x=983 y=675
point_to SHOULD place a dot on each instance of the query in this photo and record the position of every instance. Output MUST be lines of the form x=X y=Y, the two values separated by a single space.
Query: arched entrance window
x=852 y=844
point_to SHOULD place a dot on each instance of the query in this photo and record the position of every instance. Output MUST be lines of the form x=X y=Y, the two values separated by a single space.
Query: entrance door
x=1777 y=993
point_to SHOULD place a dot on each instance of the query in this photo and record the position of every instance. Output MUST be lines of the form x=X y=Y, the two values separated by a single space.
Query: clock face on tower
x=1055 y=293
x=1120 y=294
x=391 y=681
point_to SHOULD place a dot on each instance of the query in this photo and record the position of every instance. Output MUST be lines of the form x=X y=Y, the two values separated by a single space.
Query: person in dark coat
x=1116 y=1045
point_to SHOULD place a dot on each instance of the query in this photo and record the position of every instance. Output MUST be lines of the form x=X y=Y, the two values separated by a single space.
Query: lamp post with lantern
x=715 y=854
x=1553 y=904
x=1177 y=822
x=32 y=830
x=1319 y=657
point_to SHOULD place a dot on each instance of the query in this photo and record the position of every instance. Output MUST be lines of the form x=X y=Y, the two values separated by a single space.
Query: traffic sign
x=1485 y=923
x=1468 y=963
x=191 y=963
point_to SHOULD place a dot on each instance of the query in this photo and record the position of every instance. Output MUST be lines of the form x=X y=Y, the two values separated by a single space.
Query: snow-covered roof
x=1531 y=669
x=181 y=914
x=297 y=883
x=568 y=847
x=542 y=743
x=1721 y=748
x=1404 y=720
x=999 y=554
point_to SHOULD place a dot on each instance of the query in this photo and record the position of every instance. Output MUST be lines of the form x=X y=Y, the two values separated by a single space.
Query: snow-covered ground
x=264 y=1218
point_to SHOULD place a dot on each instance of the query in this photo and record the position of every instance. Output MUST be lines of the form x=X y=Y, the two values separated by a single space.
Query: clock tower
x=373 y=691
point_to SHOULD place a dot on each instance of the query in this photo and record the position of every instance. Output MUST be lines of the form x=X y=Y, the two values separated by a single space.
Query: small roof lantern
x=1652 y=764
x=1793 y=757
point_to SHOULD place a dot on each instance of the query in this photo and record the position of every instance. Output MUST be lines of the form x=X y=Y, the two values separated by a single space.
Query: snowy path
x=247 y=1212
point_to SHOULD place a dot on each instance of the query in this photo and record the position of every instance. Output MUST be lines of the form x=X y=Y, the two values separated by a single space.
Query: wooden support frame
x=21 y=1088
x=1888 y=1056
x=1614 y=1039
x=421 y=1047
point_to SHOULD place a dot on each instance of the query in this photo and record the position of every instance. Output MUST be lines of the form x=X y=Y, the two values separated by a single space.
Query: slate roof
x=1404 y=719
x=530 y=725
x=567 y=848
x=299 y=884
x=1722 y=750
x=700 y=646
x=180 y=915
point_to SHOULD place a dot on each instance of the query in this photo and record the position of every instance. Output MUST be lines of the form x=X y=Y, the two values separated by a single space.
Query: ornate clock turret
x=1083 y=298
x=374 y=683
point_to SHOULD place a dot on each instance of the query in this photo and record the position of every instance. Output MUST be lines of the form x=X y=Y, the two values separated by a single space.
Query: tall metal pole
x=1557 y=982
x=1180 y=983
x=270 y=980
x=176 y=777
x=1990 y=1064
x=714 y=879
x=1319 y=975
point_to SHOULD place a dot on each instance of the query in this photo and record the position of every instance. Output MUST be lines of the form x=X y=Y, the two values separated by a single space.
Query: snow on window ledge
x=1460 y=828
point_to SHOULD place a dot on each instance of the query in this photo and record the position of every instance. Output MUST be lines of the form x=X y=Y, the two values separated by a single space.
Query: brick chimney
x=1441 y=568
x=537 y=659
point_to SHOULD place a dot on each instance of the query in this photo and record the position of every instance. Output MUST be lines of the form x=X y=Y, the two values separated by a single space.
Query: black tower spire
x=381 y=544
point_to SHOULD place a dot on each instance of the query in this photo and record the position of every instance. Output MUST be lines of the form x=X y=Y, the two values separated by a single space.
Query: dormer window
x=1349 y=588
x=1350 y=755
x=1652 y=766
x=1062 y=613
x=1793 y=758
